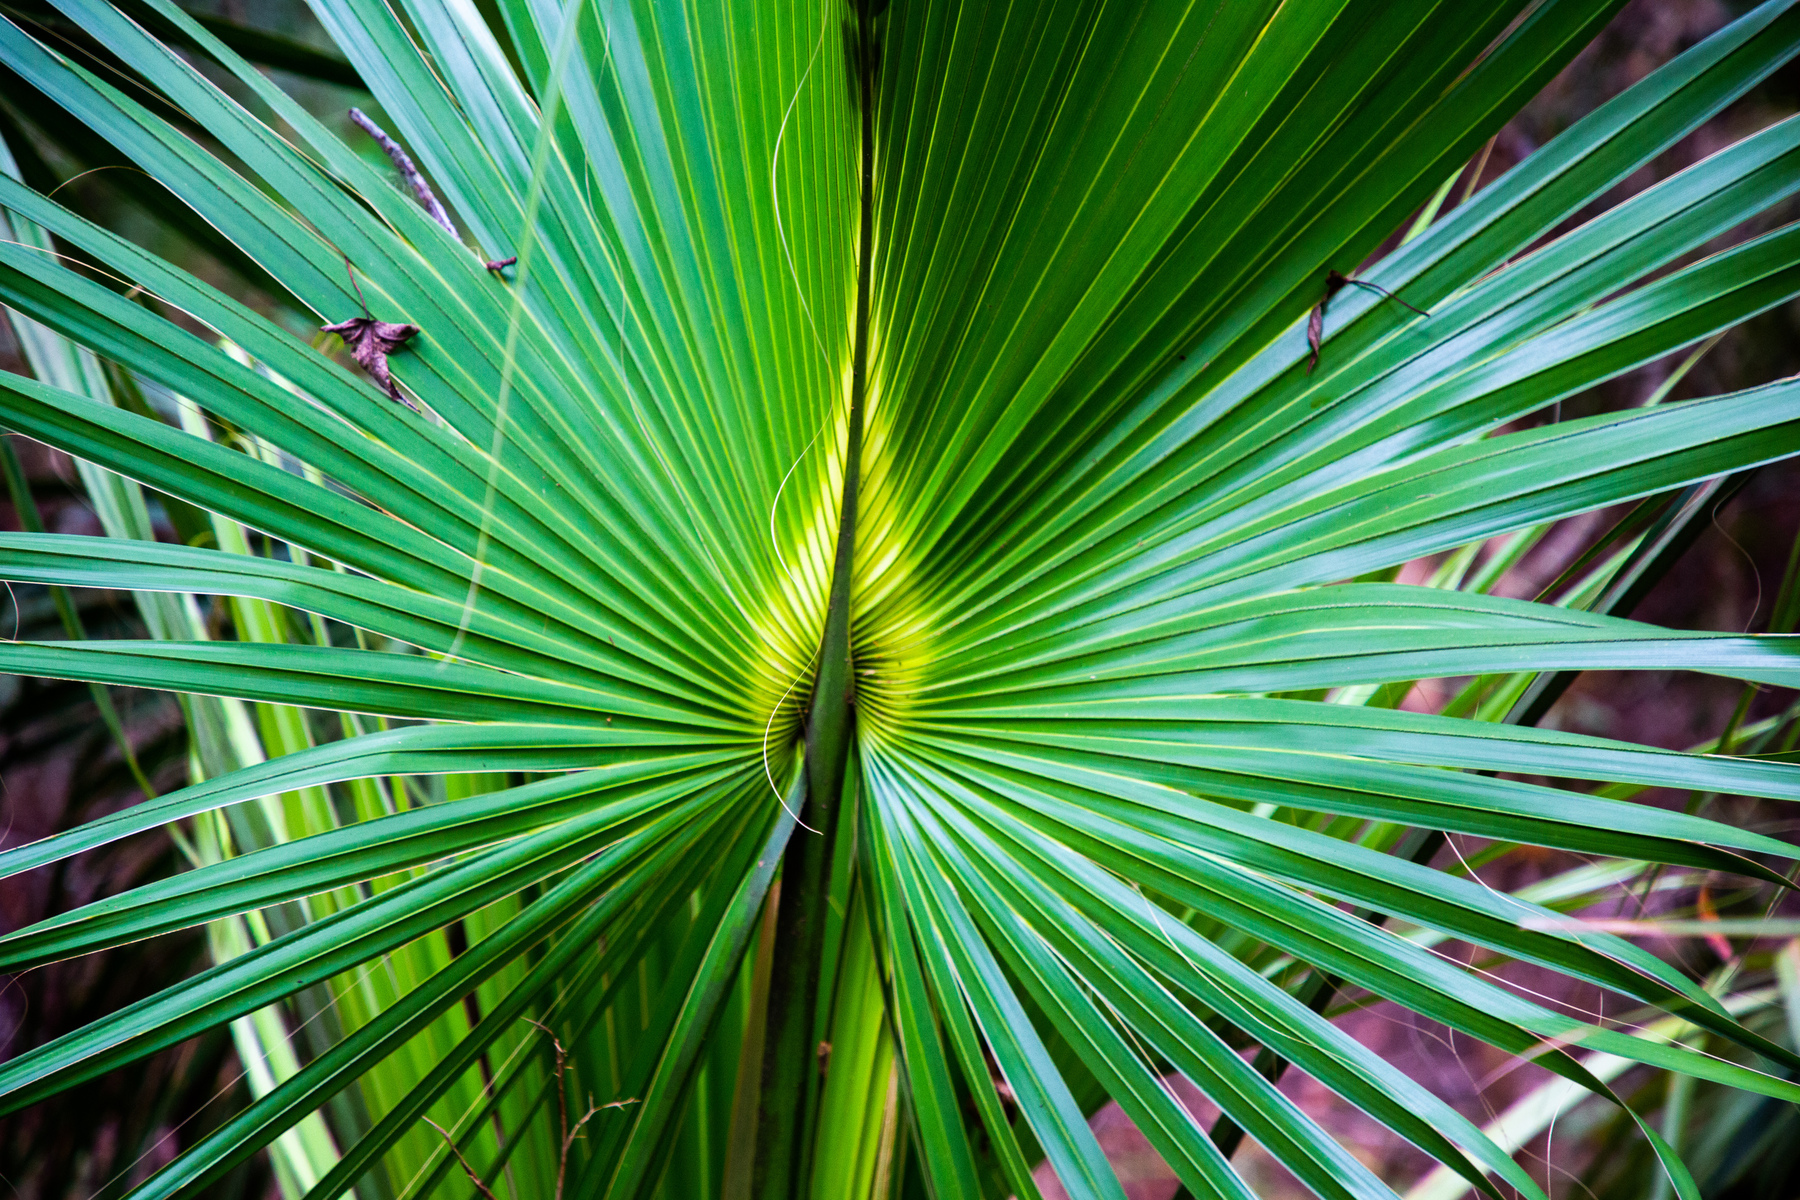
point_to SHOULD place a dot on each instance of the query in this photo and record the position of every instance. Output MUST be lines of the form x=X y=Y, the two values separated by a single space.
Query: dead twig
x=569 y=1134
x=409 y=171
x=486 y=1191
x=403 y=163
x=562 y=1163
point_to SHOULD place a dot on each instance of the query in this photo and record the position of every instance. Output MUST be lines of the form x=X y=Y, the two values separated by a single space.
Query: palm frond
x=877 y=535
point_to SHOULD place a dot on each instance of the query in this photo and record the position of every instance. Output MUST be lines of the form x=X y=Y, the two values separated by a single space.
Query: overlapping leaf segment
x=1103 y=510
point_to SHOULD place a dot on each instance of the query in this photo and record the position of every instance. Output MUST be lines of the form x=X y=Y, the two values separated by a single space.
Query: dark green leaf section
x=648 y=1140
x=308 y=955
x=434 y=623
x=443 y=498
x=418 y=749
x=1320 y=782
x=626 y=918
x=1347 y=634
x=607 y=887
x=366 y=850
x=396 y=685
x=1191 y=427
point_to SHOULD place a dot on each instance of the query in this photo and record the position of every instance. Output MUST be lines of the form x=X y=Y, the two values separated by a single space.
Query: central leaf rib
x=793 y=1062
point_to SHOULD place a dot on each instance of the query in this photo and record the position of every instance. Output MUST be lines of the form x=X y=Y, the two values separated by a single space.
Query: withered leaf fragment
x=370 y=342
x=1336 y=282
x=1315 y=322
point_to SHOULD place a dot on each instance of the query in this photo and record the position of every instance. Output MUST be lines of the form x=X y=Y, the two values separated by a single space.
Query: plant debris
x=403 y=163
x=569 y=1135
x=370 y=342
x=474 y=1178
x=415 y=179
x=1335 y=283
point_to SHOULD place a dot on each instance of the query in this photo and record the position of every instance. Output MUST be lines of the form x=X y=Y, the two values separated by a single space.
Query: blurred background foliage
x=61 y=763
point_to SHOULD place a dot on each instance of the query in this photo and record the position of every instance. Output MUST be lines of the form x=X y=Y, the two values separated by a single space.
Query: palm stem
x=791 y=1081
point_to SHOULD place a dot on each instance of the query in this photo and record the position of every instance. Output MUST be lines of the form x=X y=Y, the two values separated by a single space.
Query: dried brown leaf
x=370 y=342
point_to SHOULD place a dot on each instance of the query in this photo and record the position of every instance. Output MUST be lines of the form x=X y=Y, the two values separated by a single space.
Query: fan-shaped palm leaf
x=894 y=465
